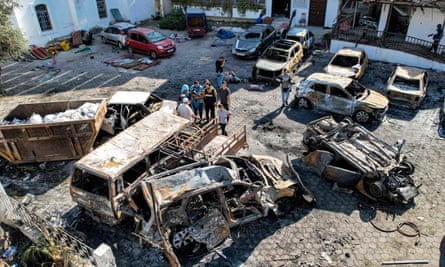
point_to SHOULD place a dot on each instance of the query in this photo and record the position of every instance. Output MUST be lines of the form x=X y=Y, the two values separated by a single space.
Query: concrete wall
x=391 y=56
x=70 y=15
x=424 y=22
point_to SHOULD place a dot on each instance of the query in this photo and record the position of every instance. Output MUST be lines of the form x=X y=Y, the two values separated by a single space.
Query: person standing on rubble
x=197 y=93
x=219 y=64
x=286 y=82
x=210 y=97
x=225 y=95
x=185 y=111
x=223 y=118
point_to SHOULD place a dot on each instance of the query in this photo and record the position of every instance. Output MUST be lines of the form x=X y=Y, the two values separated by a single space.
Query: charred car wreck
x=350 y=155
x=190 y=210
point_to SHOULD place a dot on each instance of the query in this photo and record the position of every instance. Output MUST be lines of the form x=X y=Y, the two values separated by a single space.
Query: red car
x=151 y=42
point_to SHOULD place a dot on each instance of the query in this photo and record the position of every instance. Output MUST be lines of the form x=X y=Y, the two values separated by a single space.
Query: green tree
x=12 y=42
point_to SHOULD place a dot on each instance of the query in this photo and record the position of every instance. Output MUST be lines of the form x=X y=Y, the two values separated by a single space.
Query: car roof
x=129 y=97
x=123 y=25
x=142 y=30
x=297 y=31
x=409 y=72
x=350 y=52
x=329 y=78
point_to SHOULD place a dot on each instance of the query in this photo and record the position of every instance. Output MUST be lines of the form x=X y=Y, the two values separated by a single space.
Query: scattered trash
x=145 y=60
x=80 y=50
x=42 y=166
x=36 y=178
x=326 y=257
x=179 y=38
x=257 y=87
x=27 y=177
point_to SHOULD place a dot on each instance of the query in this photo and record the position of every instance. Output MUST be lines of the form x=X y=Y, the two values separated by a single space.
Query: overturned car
x=350 y=155
x=189 y=211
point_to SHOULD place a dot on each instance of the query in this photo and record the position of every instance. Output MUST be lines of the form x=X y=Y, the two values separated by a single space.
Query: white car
x=116 y=34
x=302 y=35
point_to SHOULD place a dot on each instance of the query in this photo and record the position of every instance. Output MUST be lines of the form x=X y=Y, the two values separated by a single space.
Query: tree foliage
x=12 y=42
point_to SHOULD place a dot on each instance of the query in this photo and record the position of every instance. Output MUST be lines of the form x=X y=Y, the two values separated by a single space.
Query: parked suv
x=302 y=35
x=253 y=41
x=151 y=42
x=116 y=34
x=341 y=95
x=283 y=54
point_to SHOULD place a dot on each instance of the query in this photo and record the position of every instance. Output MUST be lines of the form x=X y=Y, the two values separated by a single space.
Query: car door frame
x=338 y=104
x=312 y=92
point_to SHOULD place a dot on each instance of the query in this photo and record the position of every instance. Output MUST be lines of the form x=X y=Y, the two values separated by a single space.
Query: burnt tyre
x=362 y=116
x=304 y=103
x=183 y=243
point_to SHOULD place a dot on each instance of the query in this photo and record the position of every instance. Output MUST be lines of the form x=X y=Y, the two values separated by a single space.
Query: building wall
x=332 y=7
x=424 y=22
x=71 y=15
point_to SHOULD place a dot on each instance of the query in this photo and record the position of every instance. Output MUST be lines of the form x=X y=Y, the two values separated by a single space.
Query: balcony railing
x=395 y=41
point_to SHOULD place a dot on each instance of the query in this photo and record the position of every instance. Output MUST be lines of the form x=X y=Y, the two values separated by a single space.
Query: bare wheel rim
x=362 y=116
x=182 y=239
x=304 y=103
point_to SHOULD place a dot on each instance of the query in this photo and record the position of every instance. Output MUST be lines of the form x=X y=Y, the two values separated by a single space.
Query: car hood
x=165 y=43
x=376 y=100
x=245 y=45
x=270 y=65
x=340 y=71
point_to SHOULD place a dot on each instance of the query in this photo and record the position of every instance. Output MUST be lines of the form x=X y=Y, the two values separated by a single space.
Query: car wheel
x=120 y=45
x=184 y=244
x=130 y=50
x=104 y=40
x=304 y=103
x=153 y=54
x=362 y=116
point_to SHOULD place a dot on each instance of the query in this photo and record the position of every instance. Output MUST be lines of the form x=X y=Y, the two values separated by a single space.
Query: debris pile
x=86 y=111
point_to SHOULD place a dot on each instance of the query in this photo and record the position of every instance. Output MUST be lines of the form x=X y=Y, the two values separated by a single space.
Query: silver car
x=116 y=34
x=302 y=35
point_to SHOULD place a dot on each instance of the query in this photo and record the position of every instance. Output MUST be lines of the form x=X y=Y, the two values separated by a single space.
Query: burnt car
x=348 y=62
x=283 y=54
x=350 y=155
x=341 y=95
x=407 y=86
x=252 y=42
x=188 y=211
x=302 y=35
x=128 y=107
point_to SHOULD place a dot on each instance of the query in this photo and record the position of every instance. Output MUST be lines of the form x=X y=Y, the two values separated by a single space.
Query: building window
x=43 y=17
x=101 y=8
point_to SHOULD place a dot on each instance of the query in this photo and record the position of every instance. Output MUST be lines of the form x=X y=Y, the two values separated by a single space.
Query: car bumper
x=167 y=52
x=380 y=114
x=267 y=75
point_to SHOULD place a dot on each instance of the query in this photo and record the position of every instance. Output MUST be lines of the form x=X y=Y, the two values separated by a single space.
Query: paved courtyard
x=342 y=229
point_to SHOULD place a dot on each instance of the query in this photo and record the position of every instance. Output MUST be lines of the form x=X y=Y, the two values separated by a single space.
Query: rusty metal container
x=50 y=141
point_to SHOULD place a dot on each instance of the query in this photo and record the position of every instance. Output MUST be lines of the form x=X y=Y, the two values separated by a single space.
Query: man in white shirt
x=185 y=111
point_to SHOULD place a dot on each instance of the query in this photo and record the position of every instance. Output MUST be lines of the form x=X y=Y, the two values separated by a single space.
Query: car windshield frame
x=250 y=36
x=356 y=89
x=406 y=83
x=155 y=37
x=276 y=55
x=344 y=61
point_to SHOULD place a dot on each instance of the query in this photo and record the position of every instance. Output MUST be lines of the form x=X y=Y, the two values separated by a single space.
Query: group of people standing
x=197 y=100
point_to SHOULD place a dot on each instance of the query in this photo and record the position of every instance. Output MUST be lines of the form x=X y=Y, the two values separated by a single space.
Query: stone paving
x=334 y=232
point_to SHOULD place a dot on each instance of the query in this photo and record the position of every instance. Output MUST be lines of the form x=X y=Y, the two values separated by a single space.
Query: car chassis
x=350 y=155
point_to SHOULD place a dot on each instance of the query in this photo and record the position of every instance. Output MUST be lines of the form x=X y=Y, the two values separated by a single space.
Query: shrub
x=173 y=21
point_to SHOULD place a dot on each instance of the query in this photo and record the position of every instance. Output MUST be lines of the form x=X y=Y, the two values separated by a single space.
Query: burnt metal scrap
x=189 y=210
x=350 y=155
